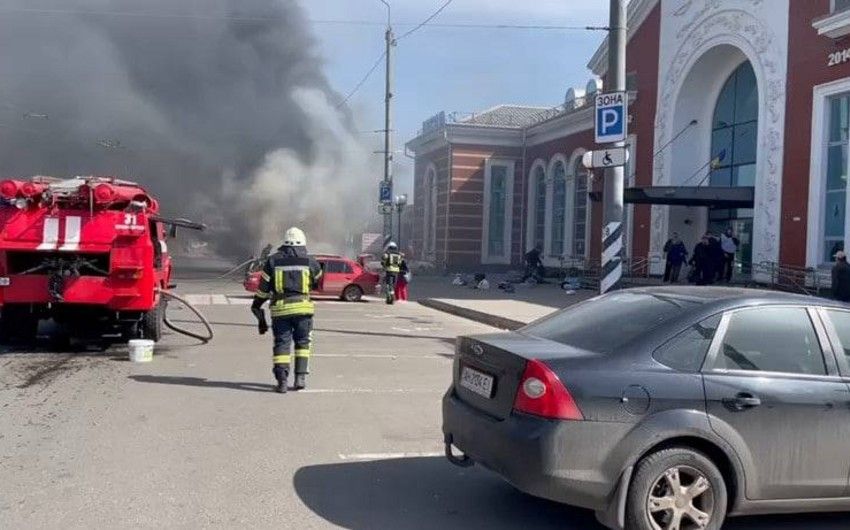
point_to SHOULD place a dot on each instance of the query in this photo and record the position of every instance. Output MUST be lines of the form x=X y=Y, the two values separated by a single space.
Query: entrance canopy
x=713 y=196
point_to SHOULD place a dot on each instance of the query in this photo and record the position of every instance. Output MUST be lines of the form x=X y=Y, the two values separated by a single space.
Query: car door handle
x=742 y=401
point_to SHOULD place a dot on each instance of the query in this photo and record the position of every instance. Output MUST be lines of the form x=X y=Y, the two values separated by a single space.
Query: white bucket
x=141 y=350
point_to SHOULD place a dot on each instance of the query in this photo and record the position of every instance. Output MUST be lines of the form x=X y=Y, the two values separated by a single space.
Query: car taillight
x=541 y=393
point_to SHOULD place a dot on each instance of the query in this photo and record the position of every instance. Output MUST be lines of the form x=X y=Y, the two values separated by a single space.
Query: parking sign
x=612 y=112
x=386 y=193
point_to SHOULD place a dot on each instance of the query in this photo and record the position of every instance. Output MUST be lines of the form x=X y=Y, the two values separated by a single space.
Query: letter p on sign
x=611 y=121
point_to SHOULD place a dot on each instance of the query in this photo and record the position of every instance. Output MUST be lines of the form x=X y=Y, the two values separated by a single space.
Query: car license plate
x=478 y=382
x=5 y=281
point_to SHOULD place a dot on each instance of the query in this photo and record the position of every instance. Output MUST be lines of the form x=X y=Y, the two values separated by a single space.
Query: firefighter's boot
x=282 y=376
x=300 y=381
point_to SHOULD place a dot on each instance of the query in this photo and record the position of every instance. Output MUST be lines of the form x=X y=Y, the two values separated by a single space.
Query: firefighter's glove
x=262 y=324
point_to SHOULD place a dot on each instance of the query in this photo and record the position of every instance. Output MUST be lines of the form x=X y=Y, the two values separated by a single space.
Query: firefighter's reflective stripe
x=392 y=262
x=262 y=294
x=278 y=280
x=265 y=276
x=284 y=308
x=305 y=280
x=302 y=353
x=281 y=359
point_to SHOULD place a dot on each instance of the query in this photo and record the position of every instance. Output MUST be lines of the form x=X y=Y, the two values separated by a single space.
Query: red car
x=342 y=278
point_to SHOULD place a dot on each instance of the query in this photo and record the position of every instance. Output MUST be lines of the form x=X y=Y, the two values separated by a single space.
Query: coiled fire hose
x=168 y=295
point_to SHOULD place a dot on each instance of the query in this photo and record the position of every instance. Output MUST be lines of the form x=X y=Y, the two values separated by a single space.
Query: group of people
x=712 y=260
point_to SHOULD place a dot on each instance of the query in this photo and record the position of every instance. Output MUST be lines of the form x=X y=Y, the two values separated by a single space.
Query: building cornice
x=835 y=26
x=638 y=11
x=561 y=126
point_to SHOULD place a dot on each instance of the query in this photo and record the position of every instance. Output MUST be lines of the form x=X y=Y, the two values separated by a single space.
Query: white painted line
x=218 y=299
x=72 y=233
x=235 y=300
x=387 y=456
x=377 y=356
x=50 y=234
x=367 y=391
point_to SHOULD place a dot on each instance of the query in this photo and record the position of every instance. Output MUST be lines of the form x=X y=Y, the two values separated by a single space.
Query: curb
x=471 y=314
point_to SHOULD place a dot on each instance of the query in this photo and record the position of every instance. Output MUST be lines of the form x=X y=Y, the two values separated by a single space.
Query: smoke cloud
x=218 y=107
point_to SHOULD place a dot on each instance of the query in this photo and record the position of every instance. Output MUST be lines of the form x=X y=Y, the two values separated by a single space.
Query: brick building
x=740 y=117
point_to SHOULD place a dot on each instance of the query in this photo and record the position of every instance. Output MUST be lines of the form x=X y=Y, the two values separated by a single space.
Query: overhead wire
x=433 y=15
x=363 y=80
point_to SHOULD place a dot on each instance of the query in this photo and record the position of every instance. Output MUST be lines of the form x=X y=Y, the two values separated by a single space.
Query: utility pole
x=388 y=125
x=612 y=212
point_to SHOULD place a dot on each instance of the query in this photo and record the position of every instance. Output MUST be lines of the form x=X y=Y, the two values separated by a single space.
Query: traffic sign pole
x=612 y=212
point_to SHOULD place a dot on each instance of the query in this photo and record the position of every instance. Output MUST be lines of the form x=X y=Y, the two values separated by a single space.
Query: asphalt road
x=198 y=439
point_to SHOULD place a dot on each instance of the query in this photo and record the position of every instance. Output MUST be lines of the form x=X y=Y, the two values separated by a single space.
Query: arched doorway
x=716 y=115
x=537 y=207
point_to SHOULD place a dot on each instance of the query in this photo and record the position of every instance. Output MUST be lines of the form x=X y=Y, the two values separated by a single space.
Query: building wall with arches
x=681 y=54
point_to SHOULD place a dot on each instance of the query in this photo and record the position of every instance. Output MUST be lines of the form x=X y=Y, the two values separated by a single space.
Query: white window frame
x=571 y=190
x=507 y=237
x=835 y=25
x=548 y=259
x=817 y=172
x=531 y=218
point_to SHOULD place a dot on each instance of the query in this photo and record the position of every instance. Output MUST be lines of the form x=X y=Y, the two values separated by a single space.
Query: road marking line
x=376 y=356
x=387 y=456
x=218 y=299
x=367 y=391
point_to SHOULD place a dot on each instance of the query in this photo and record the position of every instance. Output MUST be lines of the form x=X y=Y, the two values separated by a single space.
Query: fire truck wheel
x=151 y=327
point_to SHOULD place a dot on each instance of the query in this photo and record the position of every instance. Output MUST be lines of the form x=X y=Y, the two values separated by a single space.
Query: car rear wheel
x=352 y=293
x=676 y=489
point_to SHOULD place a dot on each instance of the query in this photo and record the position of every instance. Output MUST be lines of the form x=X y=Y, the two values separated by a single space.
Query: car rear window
x=610 y=322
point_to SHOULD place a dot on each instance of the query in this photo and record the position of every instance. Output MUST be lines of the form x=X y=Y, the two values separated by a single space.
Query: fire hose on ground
x=168 y=295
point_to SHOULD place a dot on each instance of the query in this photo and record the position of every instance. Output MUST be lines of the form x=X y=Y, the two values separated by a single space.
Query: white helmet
x=391 y=246
x=294 y=237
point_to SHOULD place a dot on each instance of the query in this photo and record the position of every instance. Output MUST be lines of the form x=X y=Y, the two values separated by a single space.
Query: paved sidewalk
x=494 y=307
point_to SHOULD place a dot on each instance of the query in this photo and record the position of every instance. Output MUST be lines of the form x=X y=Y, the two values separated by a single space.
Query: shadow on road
x=426 y=493
x=201 y=382
x=430 y=493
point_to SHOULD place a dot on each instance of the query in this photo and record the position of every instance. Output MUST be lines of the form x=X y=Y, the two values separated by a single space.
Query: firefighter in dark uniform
x=391 y=263
x=287 y=279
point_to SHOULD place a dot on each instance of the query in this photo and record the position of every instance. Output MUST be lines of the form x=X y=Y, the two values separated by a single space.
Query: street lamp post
x=400 y=203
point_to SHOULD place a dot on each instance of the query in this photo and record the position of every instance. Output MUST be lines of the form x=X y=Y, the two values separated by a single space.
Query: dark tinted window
x=610 y=322
x=841 y=323
x=686 y=351
x=772 y=339
x=335 y=266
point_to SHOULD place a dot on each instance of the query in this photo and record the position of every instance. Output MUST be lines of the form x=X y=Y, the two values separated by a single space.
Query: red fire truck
x=87 y=252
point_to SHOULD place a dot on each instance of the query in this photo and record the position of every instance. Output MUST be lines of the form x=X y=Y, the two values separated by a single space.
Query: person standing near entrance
x=703 y=261
x=729 y=244
x=677 y=255
x=841 y=277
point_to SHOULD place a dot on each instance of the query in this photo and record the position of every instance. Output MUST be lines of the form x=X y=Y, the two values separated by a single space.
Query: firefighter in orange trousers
x=287 y=279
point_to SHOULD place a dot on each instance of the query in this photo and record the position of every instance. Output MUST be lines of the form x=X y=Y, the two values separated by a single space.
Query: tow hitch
x=460 y=461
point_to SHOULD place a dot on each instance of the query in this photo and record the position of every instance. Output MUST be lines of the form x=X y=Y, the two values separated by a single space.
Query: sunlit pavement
x=197 y=438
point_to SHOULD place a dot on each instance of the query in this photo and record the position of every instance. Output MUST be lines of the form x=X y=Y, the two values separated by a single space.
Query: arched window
x=580 y=210
x=559 y=208
x=734 y=136
x=734 y=147
x=539 y=207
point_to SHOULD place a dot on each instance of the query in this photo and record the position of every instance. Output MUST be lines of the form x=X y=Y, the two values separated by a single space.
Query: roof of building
x=512 y=116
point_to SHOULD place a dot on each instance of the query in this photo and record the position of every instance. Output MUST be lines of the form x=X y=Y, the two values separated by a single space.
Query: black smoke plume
x=219 y=107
